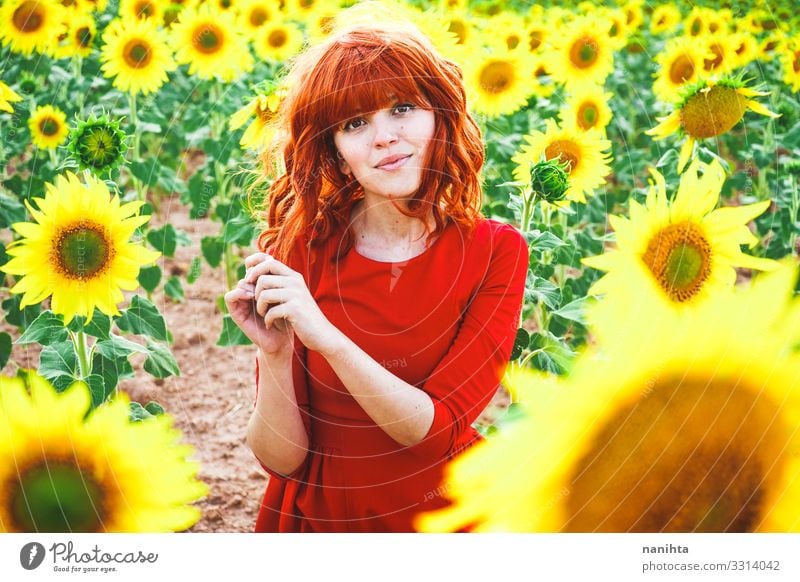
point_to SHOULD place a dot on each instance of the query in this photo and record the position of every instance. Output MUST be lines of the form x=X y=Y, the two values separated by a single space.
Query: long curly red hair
x=360 y=70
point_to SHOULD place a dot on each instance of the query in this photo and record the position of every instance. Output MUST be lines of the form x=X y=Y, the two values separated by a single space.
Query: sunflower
x=260 y=132
x=321 y=24
x=499 y=82
x=790 y=60
x=680 y=65
x=696 y=23
x=771 y=44
x=710 y=108
x=136 y=54
x=59 y=473
x=585 y=152
x=583 y=53
x=619 y=30
x=28 y=25
x=278 y=40
x=683 y=251
x=141 y=9
x=254 y=14
x=78 y=249
x=48 y=127
x=78 y=38
x=724 y=55
x=634 y=14
x=210 y=42
x=665 y=18
x=586 y=108
x=745 y=49
x=7 y=97
x=506 y=31
x=680 y=424
x=538 y=35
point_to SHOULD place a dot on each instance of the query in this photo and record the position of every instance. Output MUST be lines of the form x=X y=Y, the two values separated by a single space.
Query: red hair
x=362 y=70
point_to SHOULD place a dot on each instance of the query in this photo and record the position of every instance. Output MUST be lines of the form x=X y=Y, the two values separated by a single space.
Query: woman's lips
x=394 y=165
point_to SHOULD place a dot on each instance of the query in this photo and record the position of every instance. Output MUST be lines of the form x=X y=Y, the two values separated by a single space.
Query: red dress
x=443 y=321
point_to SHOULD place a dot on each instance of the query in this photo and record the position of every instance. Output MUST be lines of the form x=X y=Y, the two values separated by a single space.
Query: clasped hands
x=272 y=301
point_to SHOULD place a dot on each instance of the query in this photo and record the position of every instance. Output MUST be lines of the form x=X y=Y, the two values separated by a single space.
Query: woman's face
x=386 y=150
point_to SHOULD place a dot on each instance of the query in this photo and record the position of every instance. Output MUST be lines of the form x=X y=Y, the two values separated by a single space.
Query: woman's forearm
x=276 y=433
x=402 y=410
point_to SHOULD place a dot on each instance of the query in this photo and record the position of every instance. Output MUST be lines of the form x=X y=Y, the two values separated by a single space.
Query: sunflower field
x=649 y=151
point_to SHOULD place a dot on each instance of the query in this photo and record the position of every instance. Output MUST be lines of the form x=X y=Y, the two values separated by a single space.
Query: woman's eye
x=404 y=107
x=352 y=124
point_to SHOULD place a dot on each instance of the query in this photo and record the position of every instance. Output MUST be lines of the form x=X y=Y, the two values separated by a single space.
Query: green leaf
x=160 y=362
x=143 y=318
x=164 y=240
x=5 y=349
x=118 y=347
x=212 y=248
x=100 y=326
x=520 y=343
x=174 y=289
x=542 y=290
x=145 y=172
x=46 y=329
x=138 y=412
x=554 y=355
x=97 y=386
x=154 y=408
x=112 y=371
x=231 y=334
x=238 y=230
x=201 y=191
x=11 y=211
x=194 y=270
x=57 y=360
x=545 y=241
x=149 y=278
x=573 y=311
x=20 y=318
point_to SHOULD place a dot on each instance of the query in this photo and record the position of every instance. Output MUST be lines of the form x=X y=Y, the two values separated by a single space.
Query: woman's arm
x=276 y=433
x=402 y=410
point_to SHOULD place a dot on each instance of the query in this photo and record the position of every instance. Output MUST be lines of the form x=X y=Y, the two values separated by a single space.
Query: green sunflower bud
x=98 y=144
x=550 y=180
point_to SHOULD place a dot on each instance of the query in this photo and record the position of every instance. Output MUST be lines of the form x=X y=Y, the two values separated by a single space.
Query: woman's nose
x=386 y=131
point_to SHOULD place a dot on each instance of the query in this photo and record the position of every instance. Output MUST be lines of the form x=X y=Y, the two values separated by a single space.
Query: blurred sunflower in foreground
x=683 y=251
x=684 y=423
x=78 y=249
x=710 y=108
x=61 y=473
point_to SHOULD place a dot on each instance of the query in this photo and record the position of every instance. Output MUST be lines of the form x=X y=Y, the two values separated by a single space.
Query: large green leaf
x=143 y=318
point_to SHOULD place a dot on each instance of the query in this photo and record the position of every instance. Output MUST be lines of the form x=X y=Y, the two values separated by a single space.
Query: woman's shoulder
x=492 y=235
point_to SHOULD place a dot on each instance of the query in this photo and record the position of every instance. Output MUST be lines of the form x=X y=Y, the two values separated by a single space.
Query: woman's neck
x=382 y=225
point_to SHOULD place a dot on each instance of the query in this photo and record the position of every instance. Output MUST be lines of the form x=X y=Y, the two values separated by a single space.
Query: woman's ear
x=343 y=166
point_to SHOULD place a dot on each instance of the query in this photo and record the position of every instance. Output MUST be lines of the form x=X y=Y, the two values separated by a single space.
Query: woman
x=383 y=305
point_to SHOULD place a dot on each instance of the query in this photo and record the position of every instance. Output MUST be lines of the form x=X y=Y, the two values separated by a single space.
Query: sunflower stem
x=528 y=357
x=77 y=66
x=137 y=136
x=79 y=341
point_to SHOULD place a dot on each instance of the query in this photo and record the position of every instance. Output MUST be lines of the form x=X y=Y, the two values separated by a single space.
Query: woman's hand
x=242 y=308
x=282 y=295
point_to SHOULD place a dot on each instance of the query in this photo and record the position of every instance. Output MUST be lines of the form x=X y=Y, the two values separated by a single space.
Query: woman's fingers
x=255 y=258
x=277 y=312
x=266 y=266
x=268 y=297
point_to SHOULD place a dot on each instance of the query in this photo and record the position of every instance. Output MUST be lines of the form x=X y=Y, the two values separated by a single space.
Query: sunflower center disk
x=696 y=454
x=535 y=40
x=679 y=257
x=48 y=126
x=566 y=151
x=258 y=16
x=719 y=55
x=796 y=63
x=681 y=70
x=82 y=251
x=144 y=9
x=587 y=115
x=28 y=17
x=83 y=37
x=99 y=147
x=207 y=40
x=137 y=54
x=583 y=53
x=714 y=112
x=57 y=497
x=277 y=38
x=496 y=77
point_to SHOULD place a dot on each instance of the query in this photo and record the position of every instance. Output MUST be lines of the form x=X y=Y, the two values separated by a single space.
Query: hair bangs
x=364 y=81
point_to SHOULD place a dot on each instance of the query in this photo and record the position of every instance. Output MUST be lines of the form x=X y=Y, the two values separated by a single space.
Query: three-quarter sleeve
x=466 y=379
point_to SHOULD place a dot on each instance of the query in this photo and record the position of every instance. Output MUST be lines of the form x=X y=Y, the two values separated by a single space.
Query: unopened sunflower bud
x=550 y=180
x=98 y=144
